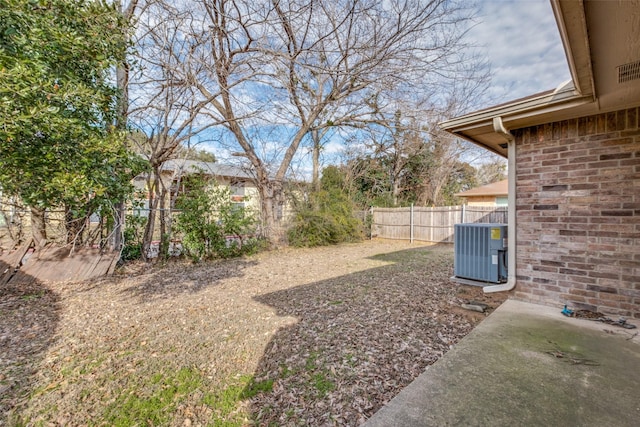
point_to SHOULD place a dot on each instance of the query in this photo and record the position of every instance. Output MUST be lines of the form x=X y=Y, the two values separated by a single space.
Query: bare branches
x=297 y=66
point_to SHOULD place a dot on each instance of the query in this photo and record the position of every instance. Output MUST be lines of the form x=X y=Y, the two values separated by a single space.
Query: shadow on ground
x=360 y=338
x=30 y=314
x=181 y=278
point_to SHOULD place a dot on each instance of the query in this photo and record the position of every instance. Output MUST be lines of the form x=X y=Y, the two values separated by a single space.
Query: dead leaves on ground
x=340 y=331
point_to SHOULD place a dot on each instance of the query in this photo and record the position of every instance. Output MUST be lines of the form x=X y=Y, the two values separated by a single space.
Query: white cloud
x=520 y=38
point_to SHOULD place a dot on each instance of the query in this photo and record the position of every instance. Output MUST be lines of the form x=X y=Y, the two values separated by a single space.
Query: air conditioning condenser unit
x=480 y=252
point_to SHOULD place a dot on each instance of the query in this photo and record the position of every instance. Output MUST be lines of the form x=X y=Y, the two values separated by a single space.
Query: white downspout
x=499 y=128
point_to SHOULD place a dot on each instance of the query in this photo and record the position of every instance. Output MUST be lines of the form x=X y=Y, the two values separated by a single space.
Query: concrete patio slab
x=527 y=364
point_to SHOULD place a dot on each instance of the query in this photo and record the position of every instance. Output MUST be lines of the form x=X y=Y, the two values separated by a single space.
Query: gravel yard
x=319 y=336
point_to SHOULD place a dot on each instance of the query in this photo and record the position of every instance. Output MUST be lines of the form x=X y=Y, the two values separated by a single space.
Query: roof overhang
x=606 y=31
x=477 y=127
x=495 y=189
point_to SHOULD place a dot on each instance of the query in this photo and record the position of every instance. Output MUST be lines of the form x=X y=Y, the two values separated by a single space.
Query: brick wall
x=578 y=213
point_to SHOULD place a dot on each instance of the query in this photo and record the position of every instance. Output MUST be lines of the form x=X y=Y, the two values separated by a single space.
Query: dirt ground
x=319 y=336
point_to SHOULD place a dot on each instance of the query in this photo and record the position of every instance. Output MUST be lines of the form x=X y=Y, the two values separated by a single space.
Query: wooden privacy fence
x=430 y=224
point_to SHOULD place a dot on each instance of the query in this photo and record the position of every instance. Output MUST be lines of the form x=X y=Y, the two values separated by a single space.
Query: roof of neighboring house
x=602 y=44
x=209 y=168
x=499 y=188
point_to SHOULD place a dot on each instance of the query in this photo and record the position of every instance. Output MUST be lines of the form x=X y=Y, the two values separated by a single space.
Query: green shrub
x=313 y=229
x=327 y=218
x=207 y=217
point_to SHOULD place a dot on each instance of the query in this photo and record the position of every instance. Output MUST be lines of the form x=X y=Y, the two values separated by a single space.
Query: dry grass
x=294 y=337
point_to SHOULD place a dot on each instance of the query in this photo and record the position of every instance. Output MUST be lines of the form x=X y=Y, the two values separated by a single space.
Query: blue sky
x=520 y=39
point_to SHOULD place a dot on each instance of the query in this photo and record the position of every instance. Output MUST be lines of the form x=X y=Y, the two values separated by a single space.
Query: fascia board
x=572 y=26
x=521 y=110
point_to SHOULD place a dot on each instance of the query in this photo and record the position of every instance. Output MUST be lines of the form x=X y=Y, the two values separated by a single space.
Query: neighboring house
x=494 y=194
x=574 y=167
x=175 y=176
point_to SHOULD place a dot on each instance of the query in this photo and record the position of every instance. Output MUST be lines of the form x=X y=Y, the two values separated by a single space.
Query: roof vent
x=628 y=72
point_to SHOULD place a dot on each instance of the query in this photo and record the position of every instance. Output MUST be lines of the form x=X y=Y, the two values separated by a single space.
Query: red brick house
x=574 y=167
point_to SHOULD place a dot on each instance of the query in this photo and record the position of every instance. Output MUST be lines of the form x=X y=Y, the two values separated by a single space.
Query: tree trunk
x=118 y=226
x=272 y=204
x=163 y=250
x=74 y=226
x=315 y=135
x=38 y=226
x=395 y=191
x=153 y=184
x=122 y=83
x=149 y=228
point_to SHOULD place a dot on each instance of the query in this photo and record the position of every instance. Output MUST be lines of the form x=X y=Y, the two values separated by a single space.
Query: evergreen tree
x=58 y=105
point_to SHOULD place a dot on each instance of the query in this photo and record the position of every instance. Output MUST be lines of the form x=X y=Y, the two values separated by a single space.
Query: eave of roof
x=499 y=188
x=533 y=110
x=209 y=168
x=604 y=30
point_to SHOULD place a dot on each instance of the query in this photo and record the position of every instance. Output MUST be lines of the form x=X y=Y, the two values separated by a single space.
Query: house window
x=237 y=189
x=237 y=206
x=502 y=201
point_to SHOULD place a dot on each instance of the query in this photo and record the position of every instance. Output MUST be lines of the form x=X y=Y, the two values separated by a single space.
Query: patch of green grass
x=285 y=371
x=350 y=359
x=66 y=371
x=84 y=393
x=323 y=384
x=135 y=406
x=92 y=365
x=319 y=380
x=225 y=402
x=30 y=297
x=310 y=363
x=153 y=399
x=16 y=420
x=256 y=387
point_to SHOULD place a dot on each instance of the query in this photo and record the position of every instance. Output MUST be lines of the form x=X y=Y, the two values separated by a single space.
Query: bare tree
x=403 y=136
x=272 y=71
x=409 y=159
x=445 y=154
x=128 y=11
x=165 y=109
x=493 y=169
